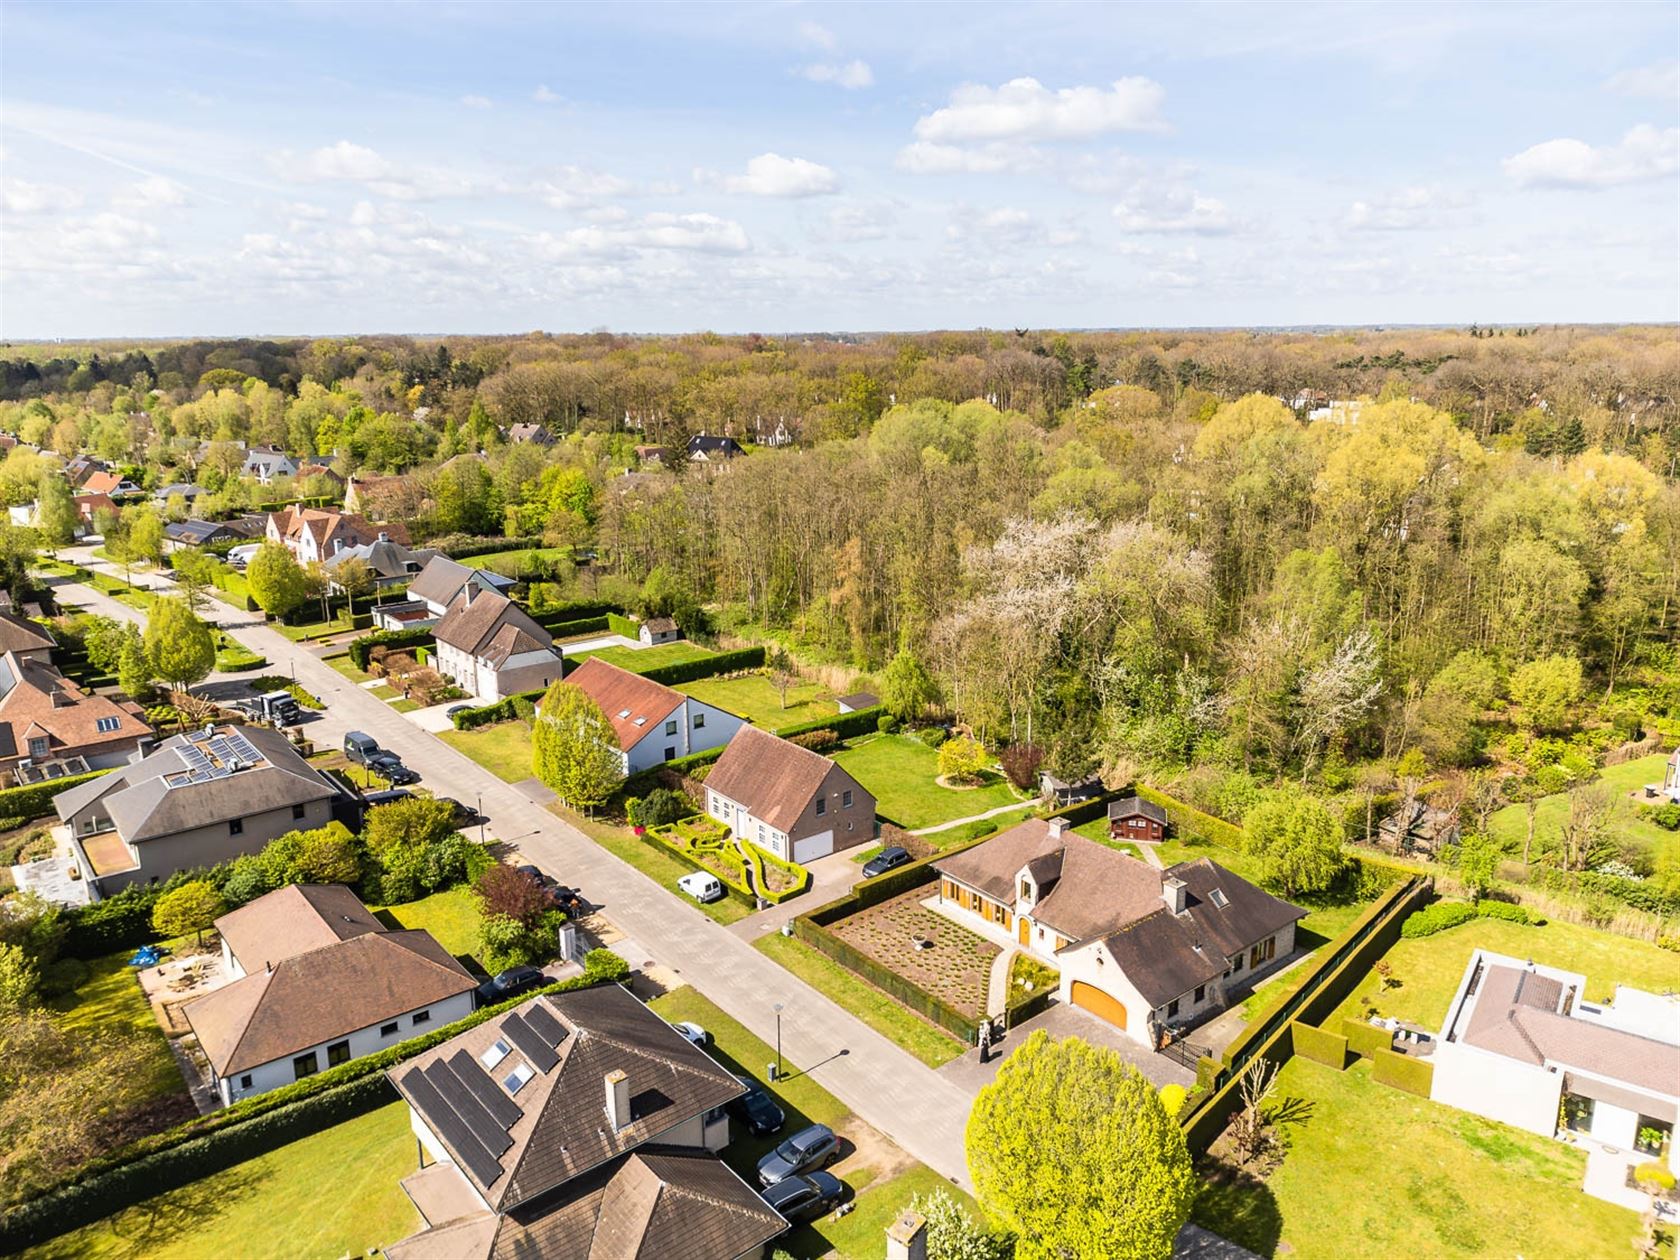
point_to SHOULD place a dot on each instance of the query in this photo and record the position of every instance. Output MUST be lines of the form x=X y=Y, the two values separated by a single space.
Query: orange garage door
x=1098 y=1003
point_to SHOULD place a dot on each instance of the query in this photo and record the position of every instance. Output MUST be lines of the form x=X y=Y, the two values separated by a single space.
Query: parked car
x=702 y=887
x=509 y=983
x=806 y=1151
x=692 y=1033
x=453 y=709
x=462 y=815
x=563 y=898
x=389 y=767
x=885 y=860
x=359 y=747
x=391 y=797
x=805 y=1198
x=757 y=1110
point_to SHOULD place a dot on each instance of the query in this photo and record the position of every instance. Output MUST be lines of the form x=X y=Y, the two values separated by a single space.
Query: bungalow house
x=113 y=485
x=201 y=797
x=185 y=491
x=313 y=534
x=654 y=723
x=533 y=433
x=1136 y=819
x=391 y=563
x=1139 y=947
x=709 y=448
x=49 y=727
x=659 y=630
x=794 y=802
x=576 y=1125
x=1523 y=1045
x=178 y=535
x=1062 y=792
x=318 y=981
x=490 y=646
x=268 y=464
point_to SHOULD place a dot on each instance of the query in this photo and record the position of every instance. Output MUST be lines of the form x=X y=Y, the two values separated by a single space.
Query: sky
x=302 y=168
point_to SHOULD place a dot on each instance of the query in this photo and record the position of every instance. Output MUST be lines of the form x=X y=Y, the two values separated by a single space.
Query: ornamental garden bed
x=956 y=968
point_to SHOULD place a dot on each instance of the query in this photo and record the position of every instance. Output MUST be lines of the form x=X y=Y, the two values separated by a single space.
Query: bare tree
x=1586 y=826
x=1251 y=1127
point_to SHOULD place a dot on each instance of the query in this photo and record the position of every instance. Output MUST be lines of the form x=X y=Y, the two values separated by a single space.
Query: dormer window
x=39 y=746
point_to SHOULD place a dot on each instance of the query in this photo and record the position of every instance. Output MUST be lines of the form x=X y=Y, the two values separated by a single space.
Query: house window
x=670 y=754
x=1026 y=891
x=422 y=1017
x=671 y=728
x=39 y=747
x=245 y=1081
x=1201 y=989
x=106 y=725
x=390 y=1030
x=299 y=811
x=846 y=799
x=236 y=826
x=1262 y=952
x=338 y=1052
x=699 y=720
x=1236 y=963
x=304 y=1065
x=1172 y=1008
x=822 y=806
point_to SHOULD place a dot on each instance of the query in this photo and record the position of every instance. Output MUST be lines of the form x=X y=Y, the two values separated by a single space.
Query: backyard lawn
x=1375 y=1172
x=1511 y=823
x=1430 y=967
x=640 y=660
x=451 y=916
x=900 y=772
x=859 y=1235
x=755 y=698
x=503 y=749
x=887 y=1016
x=334 y=1193
x=344 y=665
x=513 y=563
x=110 y=997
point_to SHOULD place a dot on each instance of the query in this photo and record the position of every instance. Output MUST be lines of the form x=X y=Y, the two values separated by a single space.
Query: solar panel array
x=449 y=1126
x=531 y=1043
x=547 y=1027
x=213 y=758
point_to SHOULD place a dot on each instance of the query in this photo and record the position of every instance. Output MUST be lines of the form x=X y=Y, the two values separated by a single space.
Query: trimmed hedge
x=1365 y=1038
x=887 y=980
x=256 y=1126
x=571 y=629
x=1415 y=1076
x=644 y=781
x=845 y=725
x=122 y=921
x=361 y=650
x=764 y=858
x=1450 y=914
x=456 y=546
x=1187 y=818
x=706 y=666
x=619 y=624
x=35 y=800
x=1319 y=1045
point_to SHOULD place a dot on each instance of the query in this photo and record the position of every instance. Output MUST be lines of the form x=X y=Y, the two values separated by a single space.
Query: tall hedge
x=619 y=624
x=1187 y=818
x=1320 y=1046
x=1415 y=1076
x=706 y=666
x=571 y=629
x=35 y=800
x=1365 y=1038
x=845 y=725
x=458 y=546
x=361 y=650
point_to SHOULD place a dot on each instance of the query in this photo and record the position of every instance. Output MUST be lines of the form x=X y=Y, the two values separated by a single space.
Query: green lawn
x=1372 y=1172
x=503 y=749
x=886 y=1015
x=640 y=660
x=334 y=1193
x=451 y=916
x=860 y=1233
x=313 y=629
x=658 y=864
x=110 y=997
x=900 y=772
x=755 y=698
x=1430 y=967
x=513 y=563
x=1511 y=823
x=344 y=665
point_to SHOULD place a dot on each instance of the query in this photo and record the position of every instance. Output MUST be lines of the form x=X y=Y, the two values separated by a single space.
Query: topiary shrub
x=933 y=736
x=816 y=741
x=1505 y=910
x=1437 y=918
x=886 y=724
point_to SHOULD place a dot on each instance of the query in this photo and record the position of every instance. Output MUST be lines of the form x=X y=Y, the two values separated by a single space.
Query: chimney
x=907 y=1237
x=618 y=1099
x=1057 y=827
x=384 y=537
x=1172 y=892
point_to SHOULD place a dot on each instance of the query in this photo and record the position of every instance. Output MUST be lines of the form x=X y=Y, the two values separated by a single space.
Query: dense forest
x=1175 y=551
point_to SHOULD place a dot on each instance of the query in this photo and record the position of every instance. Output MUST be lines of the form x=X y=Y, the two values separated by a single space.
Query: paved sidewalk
x=958 y=822
x=997 y=987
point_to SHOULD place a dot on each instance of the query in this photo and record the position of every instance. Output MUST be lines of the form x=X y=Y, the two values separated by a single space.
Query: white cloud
x=152 y=193
x=1173 y=209
x=19 y=196
x=1660 y=81
x=772 y=175
x=700 y=233
x=544 y=96
x=1024 y=109
x=1403 y=210
x=862 y=221
x=1006 y=223
x=816 y=33
x=922 y=157
x=1643 y=153
x=472 y=101
x=573 y=187
x=852 y=74
x=346 y=162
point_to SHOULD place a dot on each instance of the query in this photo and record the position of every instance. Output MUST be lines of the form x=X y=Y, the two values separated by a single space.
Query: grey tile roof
x=1133 y=805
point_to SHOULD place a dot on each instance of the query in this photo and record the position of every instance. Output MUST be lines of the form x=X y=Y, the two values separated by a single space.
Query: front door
x=1023 y=929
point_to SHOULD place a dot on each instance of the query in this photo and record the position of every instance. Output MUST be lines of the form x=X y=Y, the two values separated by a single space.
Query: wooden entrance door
x=1023 y=929
x=1099 y=1003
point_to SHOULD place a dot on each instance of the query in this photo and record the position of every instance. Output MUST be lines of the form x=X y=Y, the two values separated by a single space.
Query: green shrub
x=1505 y=910
x=617 y=624
x=1437 y=918
x=1667 y=816
x=1668 y=942
x=1415 y=1076
x=706 y=666
x=61 y=978
x=816 y=741
x=35 y=800
x=1319 y=1045
x=845 y=725
x=933 y=736
x=657 y=808
x=886 y=724
x=12 y=822
x=361 y=650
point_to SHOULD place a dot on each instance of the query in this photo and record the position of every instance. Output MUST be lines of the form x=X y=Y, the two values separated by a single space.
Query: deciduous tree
x=276 y=580
x=961 y=759
x=180 y=646
x=1296 y=841
x=192 y=907
x=907 y=689
x=576 y=749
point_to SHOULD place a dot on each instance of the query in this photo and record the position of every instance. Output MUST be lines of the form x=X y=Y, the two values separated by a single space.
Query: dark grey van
x=359 y=747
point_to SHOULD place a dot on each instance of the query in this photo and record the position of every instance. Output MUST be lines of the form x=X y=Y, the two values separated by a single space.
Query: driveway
x=832 y=877
x=1062 y=1021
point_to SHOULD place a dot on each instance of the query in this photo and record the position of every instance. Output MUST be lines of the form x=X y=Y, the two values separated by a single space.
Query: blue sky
x=309 y=168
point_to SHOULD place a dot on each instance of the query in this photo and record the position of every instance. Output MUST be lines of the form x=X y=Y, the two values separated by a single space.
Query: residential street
x=891 y=1090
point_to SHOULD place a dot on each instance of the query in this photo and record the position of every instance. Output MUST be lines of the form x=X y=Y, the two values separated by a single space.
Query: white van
x=702 y=887
x=242 y=555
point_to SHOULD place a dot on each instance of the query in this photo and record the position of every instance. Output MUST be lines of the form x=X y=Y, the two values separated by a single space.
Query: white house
x=794 y=802
x=313 y=534
x=318 y=981
x=442 y=580
x=578 y=1124
x=267 y=463
x=654 y=723
x=1668 y=789
x=490 y=646
x=1140 y=947
x=1523 y=1045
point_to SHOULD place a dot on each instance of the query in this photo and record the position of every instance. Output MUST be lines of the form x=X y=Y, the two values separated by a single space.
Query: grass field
x=110 y=997
x=1511 y=823
x=755 y=698
x=1373 y=1173
x=451 y=916
x=1430 y=967
x=859 y=1234
x=344 y=665
x=901 y=771
x=640 y=660
x=503 y=749
x=886 y=1015
x=513 y=563
x=334 y=1193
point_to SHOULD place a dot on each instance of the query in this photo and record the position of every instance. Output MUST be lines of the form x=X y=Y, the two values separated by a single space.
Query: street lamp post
x=777 y=1074
x=481 y=819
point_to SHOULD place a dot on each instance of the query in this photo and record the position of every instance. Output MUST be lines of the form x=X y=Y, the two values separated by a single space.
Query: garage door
x=1098 y=1003
x=813 y=847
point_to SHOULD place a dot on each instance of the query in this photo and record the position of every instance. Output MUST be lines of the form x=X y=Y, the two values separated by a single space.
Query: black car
x=562 y=897
x=804 y=1198
x=884 y=861
x=806 y=1151
x=462 y=815
x=390 y=768
x=757 y=1110
x=391 y=797
x=509 y=983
